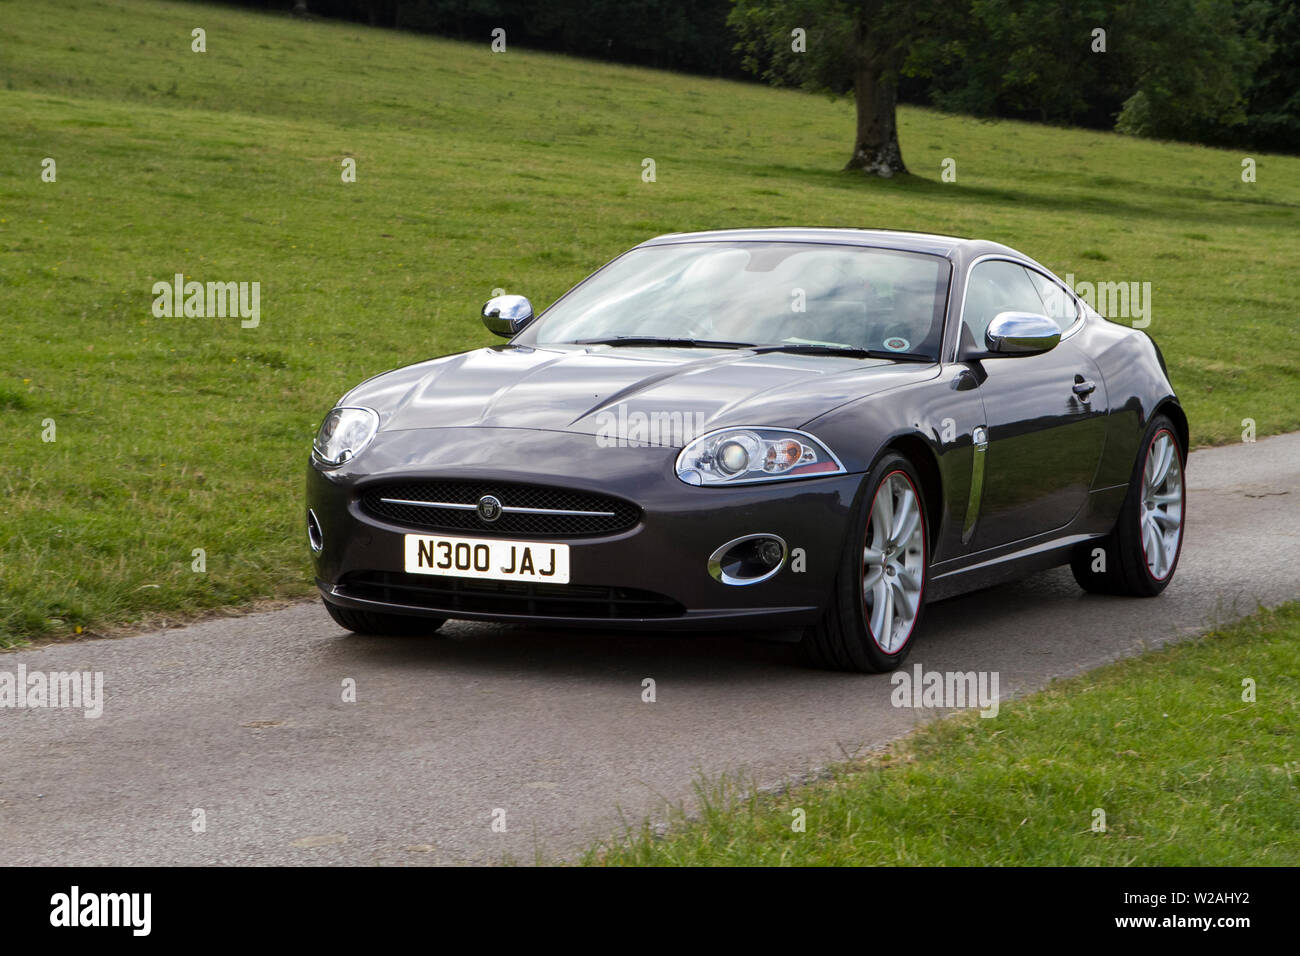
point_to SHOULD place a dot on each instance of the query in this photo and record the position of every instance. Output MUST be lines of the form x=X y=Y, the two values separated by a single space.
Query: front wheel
x=1140 y=556
x=879 y=592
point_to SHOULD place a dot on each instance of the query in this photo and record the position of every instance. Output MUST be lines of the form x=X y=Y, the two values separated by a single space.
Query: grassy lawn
x=474 y=171
x=1185 y=771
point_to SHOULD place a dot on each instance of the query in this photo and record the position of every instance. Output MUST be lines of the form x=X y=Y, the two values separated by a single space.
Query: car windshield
x=783 y=294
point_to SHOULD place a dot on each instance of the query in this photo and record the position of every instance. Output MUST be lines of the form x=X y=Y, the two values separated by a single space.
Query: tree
x=1192 y=63
x=1273 y=100
x=863 y=46
x=667 y=34
x=1176 y=69
x=1043 y=60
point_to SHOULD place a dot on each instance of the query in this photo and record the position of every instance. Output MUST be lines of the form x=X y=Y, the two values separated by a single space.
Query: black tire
x=383 y=625
x=843 y=639
x=1117 y=563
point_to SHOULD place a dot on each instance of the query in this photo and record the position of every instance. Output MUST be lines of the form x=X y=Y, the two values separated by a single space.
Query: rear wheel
x=879 y=592
x=384 y=625
x=1140 y=556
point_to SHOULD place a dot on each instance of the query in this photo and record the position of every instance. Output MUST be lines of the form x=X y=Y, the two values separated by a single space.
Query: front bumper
x=654 y=575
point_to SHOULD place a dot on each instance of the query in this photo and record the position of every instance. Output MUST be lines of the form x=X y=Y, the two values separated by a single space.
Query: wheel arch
x=1174 y=412
x=918 y=451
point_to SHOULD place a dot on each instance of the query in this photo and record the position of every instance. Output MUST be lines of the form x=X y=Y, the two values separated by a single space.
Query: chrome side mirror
x=1021 y=333
x=507 y=315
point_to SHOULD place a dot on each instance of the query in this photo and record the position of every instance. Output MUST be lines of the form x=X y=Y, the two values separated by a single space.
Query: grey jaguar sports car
x=811 y=430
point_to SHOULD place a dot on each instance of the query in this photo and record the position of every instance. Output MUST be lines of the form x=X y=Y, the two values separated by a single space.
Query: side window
x=1059 y=304
x=996 y=285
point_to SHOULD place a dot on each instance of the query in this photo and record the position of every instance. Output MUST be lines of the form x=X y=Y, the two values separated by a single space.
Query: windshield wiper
x=660 y=340
x=808 y=348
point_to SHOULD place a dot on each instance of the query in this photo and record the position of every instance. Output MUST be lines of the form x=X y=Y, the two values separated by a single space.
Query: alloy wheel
x=893 y=562
x=1161 y=514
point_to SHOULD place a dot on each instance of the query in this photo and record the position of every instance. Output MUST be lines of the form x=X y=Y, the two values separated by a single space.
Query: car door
x=1045 y=414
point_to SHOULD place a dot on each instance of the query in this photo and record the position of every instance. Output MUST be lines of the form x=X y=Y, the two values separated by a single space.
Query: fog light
x=748 y=560
x=770 y=552
x=314 y=537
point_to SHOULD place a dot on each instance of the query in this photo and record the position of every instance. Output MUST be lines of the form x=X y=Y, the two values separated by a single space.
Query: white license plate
x=488 y=558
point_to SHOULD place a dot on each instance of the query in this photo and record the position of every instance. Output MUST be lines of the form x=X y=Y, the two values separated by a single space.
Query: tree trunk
x=875 y=148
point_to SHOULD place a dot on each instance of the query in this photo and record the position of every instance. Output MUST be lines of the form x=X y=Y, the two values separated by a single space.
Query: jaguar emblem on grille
x=489 y=508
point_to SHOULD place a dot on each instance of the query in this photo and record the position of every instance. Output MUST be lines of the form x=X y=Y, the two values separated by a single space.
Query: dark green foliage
x=1273 y=99
x=1223 y=72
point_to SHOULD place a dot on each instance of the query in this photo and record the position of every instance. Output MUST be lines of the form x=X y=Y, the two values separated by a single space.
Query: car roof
x=952 y=247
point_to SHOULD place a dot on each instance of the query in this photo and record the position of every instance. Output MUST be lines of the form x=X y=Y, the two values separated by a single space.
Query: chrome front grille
x=530 y=510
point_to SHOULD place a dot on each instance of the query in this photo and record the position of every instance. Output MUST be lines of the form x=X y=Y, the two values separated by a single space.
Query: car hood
x=603 y=389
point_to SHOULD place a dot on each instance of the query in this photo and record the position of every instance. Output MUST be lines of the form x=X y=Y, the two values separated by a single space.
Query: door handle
x=1083 y=387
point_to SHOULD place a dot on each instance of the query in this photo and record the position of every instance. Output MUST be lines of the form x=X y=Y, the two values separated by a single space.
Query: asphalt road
x=244 y=719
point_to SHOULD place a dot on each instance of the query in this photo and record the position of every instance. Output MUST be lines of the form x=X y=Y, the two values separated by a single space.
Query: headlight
x=736 y=456
x=343 y=434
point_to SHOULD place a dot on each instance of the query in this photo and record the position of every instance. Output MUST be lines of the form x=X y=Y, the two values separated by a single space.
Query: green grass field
x=1163 y=744
x=474 y=171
